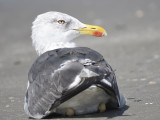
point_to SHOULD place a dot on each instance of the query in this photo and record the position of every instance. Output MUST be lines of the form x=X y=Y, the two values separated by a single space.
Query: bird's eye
x=61 y=22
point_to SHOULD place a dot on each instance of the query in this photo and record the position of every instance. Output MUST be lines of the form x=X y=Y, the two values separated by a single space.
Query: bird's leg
x=70 y=112
x=102 y=107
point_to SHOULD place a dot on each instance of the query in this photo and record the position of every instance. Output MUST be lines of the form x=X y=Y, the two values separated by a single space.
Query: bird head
x=54 y=30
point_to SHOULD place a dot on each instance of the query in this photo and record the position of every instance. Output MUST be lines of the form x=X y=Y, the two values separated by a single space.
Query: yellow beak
x=92 y=30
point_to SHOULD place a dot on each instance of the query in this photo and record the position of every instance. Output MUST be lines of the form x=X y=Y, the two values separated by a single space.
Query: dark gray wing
x=53 y=72
x=47 y=87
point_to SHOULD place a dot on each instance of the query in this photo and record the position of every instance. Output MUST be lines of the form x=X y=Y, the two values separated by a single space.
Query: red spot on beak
x=98 y=34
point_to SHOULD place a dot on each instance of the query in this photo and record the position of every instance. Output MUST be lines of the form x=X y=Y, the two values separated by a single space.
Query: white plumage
x=48 y=34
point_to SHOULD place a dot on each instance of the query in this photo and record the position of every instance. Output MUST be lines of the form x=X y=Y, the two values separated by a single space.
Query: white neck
x=44 y=39
x=42 y=48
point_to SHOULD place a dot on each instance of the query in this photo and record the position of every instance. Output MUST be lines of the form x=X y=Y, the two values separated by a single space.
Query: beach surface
x=132 y=48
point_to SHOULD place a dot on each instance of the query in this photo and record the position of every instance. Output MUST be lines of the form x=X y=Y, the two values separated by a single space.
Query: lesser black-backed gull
x=66 y=79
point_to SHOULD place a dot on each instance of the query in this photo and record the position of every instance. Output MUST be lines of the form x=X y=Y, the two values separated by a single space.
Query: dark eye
x=61 y=22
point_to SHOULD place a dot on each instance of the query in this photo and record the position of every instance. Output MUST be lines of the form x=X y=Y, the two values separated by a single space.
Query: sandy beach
x=132 y=48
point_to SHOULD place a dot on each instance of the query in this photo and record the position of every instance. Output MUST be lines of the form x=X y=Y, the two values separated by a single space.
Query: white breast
x=85 y=102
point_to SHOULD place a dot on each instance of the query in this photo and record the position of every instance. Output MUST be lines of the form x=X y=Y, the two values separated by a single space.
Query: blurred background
x=132 y=48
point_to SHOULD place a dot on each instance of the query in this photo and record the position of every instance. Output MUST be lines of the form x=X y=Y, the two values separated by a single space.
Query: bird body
x=65 y=79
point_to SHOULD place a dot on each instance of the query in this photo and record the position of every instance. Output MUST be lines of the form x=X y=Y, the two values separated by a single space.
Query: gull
x=66 y=79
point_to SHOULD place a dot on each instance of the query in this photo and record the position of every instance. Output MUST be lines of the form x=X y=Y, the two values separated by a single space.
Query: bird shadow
x=109 y=114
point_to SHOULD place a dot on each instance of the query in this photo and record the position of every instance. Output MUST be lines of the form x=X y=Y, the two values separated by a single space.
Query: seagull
x=66 y=79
